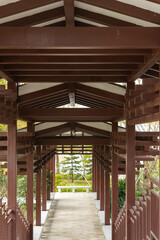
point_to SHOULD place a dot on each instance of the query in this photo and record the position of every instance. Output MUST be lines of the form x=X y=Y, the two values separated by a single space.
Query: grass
x=62 y=180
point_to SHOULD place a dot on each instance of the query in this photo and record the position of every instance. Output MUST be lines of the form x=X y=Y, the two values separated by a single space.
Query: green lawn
x=62 y=180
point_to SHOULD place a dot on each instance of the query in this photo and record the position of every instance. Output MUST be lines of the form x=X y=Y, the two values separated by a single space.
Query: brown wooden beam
x=53 y=130
x=74 y=52
x=97 y=179
x=102 y=188
x=22 y=6
x=36 y=18
x=72 y=79
x=70 y=67
x=38 y=191
x=100 y=18
x=12 y=176
x=30 y=129
x=81 y=73
x=114 y=183
x=107 y=198
x=148 y=63
x=102 y=94
x=72 y=141
x=30 y=191
x=126 y=9
x=80 y=114
x=48 y=175
x=89 y=37
x=130 y=176
x=44 y=188
x=54 y=172
x=91 y=130
x=71 y=59
x=69 y=12
x=41 y=94
x=38 y=198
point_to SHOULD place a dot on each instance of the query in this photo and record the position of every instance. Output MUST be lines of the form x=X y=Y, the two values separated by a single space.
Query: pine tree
x=71 y=165
x=87 y=164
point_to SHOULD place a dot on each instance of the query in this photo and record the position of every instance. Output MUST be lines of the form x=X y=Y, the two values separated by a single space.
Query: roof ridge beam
x=87 y=37
x=69 y=12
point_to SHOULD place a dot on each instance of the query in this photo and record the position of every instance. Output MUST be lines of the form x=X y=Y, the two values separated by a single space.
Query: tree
x=86 y=165
x=71 y=165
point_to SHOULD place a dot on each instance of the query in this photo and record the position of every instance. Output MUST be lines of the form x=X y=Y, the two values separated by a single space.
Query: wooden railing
x=144 y=216
x=23 y=226
x=119 y=226
x=6 y=222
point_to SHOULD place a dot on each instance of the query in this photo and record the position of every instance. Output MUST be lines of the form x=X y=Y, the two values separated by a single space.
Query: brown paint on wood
x=130 y=175
x=54 y=170
x=107 y=198
x=102 y=188
x=114 y=183
x=12 y=175
x=97 y=180
x=38 y=198
x=48 y=187
x=30 y=190
x=44 y=188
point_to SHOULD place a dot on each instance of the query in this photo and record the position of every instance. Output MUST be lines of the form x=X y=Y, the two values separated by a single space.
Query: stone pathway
x=73 y=216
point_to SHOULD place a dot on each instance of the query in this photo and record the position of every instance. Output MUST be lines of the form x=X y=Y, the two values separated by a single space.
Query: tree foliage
x=71 y=165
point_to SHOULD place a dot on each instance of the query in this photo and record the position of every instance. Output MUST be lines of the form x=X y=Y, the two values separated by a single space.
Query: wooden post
x=38 y=190
x=12 y=174
x=107 y=198
x=54 y=173
x=30 y=190
x=44 y=188
x=114 y=183
x=97 y=180
x=130 y=175
x=48 y=187
x=102 y=188
x=93 y=174
x=38 y=198
x=51 y=175
x=30 y=128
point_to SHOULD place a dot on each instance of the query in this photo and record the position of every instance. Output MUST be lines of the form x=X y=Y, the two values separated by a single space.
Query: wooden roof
x=77 y=52
x=99 y=13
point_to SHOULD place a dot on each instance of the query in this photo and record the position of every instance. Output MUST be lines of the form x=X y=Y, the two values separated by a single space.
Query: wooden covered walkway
x=73 y=216
x=105 y=57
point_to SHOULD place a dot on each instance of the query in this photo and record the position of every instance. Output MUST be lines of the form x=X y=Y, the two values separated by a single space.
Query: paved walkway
x=73 y=216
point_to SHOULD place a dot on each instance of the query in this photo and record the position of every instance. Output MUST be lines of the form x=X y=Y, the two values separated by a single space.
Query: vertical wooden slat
x=48 y=187
x=38 y=198
x=12 y=174
x=102 y=188
x=107 y=198
x=51 y=175
x=54 y=172
x=44 y=188
x=93 y=173
x=114 y=183
x=97 y=180
x=30 y=190
x=30 y=128
x=130 y=175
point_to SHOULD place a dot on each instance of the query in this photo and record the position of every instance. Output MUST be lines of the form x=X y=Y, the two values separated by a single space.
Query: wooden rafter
x=69 y=12
x=126 y=9
x=68 y=114
x=83 y=38
x=72 y=141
